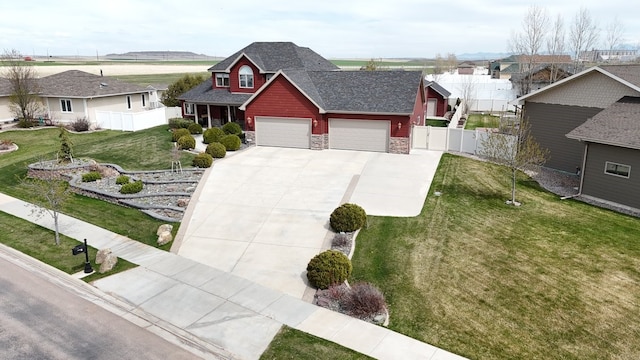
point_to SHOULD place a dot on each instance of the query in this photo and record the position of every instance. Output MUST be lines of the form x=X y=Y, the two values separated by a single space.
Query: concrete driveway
x=262 y=214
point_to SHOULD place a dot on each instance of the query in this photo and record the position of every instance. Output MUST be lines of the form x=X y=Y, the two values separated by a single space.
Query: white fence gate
x=448 y=139
x=127 y=121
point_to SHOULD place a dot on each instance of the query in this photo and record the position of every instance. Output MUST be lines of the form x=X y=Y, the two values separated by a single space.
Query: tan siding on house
x=592 y=90
x=55 y=109
x=110 y=103
x=5 y=111
x=618 y=189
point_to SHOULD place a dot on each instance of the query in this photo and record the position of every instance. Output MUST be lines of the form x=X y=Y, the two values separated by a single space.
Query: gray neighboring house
x=233 y=80
x=587 y=122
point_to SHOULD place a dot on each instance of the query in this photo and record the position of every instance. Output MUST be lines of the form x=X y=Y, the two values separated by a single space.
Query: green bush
x=195 y=128
x=348 y=217
x=179 y=123
x=212 y=135
x=122 y=179
x=132 y=187
x=202 y=160
x=231 y=142
x=232 y=128
x=91 y=176
x=216 y=150
x=187 y=142
x=328 y=268
x=178 y=133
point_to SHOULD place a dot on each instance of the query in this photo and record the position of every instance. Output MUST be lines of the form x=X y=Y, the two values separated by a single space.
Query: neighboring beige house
x=75 y=94
x=105 y=102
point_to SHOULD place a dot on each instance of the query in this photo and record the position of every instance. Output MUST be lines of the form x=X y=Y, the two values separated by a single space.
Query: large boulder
x=102 y=254
x=164 y=238
x=108 y=263
x=164 y=227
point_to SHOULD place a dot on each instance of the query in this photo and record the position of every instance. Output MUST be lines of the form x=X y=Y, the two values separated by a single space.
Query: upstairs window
x=246 y=77
x=222 y=80
x=617 y=169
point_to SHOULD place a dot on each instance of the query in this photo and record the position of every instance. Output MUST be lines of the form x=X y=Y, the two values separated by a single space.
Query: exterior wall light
x=315 y=122
x=399 y=125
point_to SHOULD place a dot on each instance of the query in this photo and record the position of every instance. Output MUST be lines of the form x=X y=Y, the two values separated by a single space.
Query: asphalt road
x=39 y=320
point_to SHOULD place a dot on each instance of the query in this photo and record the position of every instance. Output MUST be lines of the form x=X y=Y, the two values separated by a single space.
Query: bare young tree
x=556 y=46
x=528 y=42
x=452 y=62
x=48 y=195
x=514 y=147
x=614 y=33
x=583 y=34
x=468 y=89
x=439 y=67
x=23 y=101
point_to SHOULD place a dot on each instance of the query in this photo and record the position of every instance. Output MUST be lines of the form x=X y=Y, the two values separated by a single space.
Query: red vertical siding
x=419 y=108
x=234 y=78
x=281 y=99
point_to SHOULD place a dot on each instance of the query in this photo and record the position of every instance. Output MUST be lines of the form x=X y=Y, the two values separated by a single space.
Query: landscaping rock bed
x=165 y=194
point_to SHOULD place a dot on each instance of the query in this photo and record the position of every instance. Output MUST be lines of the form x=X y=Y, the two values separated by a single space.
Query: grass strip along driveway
x=552 y=279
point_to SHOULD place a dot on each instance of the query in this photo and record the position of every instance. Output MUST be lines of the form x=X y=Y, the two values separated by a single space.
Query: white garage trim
x=365 y=135
x=283 y=132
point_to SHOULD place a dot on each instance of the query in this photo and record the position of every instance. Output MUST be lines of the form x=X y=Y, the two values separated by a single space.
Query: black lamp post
x=82 y=248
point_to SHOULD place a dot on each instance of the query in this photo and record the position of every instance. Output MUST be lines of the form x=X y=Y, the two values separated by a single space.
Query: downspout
x=584 y=163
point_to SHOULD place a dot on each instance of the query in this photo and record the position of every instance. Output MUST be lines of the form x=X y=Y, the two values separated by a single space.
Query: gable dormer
x=245 y=76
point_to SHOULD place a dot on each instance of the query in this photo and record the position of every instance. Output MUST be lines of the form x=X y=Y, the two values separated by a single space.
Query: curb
x=116 y=306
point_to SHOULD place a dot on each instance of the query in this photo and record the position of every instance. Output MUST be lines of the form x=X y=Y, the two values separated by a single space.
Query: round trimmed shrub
x=122 y=179
x=177 y=123
x=347 y=218
x=232 y=128
x=178 y=133
x=216 y=150
x=91 y=176
x=132 y=187
x=187 y=142
x=231 y=142
x=328 y=268
x=195 y=128
x=212 y=135
x=202 y=160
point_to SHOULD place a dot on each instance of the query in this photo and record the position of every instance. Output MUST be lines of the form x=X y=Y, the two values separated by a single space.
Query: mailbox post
x=82 y=248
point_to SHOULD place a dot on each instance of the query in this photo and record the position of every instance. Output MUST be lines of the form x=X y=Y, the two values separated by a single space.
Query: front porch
x=209 y=115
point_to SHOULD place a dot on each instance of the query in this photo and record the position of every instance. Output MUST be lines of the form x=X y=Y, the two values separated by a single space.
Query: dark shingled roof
x=204 y=93
x=80 y=84
x=438 y=88
x=386 y=92
x=630 y=73
x=5 y=87
x=617 y=125
x=273 y=56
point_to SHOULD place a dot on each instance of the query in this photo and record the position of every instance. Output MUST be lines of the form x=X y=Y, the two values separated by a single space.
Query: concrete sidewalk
x=218 y=308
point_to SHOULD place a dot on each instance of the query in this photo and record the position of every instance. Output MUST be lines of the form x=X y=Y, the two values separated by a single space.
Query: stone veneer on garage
x=319 y=142
x=399 y=145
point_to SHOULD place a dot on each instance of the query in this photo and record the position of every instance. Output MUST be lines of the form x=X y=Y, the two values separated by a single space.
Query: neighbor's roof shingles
x=270 y=57
x=80 y=84
x=617 y=125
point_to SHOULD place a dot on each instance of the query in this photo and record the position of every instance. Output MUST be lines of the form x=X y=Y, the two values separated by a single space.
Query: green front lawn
x=552 y=279
x=296 y=345
x=143 y=150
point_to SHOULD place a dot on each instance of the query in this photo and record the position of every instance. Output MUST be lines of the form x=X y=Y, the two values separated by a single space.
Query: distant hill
x=159 y=55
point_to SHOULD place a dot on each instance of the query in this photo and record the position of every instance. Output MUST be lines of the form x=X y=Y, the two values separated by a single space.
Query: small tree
x=182 y=85
x=65 y=154
x=23 y=79
x=514 y=147
x=48 y=194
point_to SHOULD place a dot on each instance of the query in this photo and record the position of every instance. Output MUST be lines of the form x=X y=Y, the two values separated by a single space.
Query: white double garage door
x=364 y=135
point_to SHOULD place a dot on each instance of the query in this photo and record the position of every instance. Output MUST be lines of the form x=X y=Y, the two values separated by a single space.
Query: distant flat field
x=115 y=69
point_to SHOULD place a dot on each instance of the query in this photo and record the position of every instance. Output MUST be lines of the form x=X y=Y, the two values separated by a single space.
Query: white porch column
x=195 y=112
x=228 y=113
x=209 y=116
x=86 y=109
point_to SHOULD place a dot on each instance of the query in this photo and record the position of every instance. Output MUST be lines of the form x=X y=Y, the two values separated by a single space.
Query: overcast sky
x=335 y=29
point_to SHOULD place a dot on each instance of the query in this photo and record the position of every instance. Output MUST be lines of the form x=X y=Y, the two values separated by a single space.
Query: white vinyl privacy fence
x=448 y=139
x=128 y=121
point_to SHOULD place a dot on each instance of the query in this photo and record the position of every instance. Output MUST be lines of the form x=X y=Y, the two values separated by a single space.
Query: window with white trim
x=616 y=169
x=188 y=109
x=128 y=101
x=222 y=80
x=144 y=101
x=65 y=105
x=246 y=77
